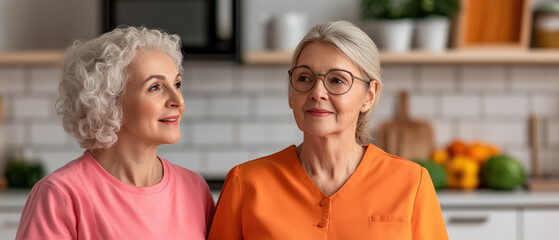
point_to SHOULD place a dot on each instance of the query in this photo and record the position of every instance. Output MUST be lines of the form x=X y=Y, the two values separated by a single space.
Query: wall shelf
x=478 y=56
x=39 y=57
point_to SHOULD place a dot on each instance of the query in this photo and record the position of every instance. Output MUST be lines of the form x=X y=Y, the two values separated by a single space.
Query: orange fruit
x=479 y=152
x=458 y=147
x=440 y=156
x=493 y=150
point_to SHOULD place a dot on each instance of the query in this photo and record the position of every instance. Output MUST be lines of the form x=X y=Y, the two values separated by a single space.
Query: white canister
x=431 y=34
x=391 y=35
x=287 y=30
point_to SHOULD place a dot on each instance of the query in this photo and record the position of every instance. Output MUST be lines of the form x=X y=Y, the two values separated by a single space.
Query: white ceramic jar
x=287 y=30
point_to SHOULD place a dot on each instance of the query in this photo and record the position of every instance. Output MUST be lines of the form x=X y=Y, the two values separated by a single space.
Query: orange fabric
x=387 y=197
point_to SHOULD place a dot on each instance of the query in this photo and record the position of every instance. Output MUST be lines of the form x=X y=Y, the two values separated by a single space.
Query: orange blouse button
x=322 y=224
x=323 y=202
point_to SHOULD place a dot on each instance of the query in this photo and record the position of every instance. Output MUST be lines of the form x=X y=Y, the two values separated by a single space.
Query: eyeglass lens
x=335 y=82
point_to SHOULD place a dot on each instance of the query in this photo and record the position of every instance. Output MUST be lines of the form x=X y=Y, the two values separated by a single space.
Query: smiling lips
x=318 y=112
x=172 y=120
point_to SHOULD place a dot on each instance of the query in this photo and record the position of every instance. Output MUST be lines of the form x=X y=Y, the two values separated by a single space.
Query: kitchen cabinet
x=482 y=224
x=484 y=214
x=541 y=223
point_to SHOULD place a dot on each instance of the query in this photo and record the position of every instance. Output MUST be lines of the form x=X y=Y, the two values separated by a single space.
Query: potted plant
x=388 y=23
x=433 y=22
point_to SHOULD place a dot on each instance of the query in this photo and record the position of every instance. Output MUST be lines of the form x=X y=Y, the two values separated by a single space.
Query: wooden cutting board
x=1 y=110
x=404 y=136
x=538 y=182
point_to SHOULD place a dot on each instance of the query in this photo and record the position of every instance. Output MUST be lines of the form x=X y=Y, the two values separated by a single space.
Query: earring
x=362 y=108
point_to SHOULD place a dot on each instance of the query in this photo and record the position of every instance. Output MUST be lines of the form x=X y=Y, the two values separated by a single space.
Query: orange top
x=387 y=197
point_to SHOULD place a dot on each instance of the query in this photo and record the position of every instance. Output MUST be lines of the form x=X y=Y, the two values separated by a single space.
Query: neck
x=329 y=161
x=131 y=164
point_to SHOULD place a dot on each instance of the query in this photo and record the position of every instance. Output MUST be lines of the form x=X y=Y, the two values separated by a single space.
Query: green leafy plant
x=387 y=9
x=426 y=8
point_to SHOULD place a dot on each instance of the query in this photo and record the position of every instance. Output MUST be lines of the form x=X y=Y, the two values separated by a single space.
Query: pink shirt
x=82 y=201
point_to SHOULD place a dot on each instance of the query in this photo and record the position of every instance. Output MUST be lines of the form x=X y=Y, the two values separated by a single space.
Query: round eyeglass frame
x=290 y=72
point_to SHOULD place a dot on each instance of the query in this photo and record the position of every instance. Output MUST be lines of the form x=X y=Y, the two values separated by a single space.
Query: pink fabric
x=82 y=201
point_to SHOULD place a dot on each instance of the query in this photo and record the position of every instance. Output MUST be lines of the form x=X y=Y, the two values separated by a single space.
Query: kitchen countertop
x=14 y=200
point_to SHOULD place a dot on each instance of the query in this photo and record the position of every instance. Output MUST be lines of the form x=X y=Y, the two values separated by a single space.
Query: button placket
x=325 y=205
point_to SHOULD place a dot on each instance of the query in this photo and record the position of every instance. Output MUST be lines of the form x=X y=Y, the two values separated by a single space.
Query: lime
x=503 y=172
x=436 y=171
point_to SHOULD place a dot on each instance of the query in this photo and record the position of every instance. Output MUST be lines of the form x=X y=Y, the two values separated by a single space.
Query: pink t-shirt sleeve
x=47 y=215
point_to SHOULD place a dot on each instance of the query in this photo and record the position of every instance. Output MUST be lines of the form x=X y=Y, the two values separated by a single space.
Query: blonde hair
x=357 y=46
x=94 y=78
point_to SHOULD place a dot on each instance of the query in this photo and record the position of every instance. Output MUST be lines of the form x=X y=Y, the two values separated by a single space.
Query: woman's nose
x=319 y=92
x=175 y=99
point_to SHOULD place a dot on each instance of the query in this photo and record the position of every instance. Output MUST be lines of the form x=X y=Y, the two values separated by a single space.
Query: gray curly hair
x=359 y=48
x=94 y=77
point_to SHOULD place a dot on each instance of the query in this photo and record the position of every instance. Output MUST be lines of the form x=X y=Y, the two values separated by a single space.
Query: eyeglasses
x=336 y=81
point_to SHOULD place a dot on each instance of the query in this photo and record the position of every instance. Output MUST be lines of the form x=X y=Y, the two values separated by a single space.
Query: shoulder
x=68 y=175
x=186 y=176
x=279 y=161
x=389 y=165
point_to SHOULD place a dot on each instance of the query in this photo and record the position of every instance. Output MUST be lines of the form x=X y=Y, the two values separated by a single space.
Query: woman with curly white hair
x=120 y=98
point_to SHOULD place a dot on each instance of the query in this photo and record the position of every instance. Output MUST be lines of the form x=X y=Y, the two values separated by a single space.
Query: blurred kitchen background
x=476 y=88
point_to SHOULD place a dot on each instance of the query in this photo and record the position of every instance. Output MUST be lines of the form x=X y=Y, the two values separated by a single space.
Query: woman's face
x=153 y=103
x=319 y=113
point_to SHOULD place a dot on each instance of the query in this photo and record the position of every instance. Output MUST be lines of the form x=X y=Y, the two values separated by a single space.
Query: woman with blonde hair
x=120 y=98
x=334 y=185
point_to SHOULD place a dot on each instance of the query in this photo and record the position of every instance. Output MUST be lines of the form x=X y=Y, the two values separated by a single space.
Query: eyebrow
x=331 y=69
x=161 y=77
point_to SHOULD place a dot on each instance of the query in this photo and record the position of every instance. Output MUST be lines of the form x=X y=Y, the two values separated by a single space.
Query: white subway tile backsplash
x=270 y=133
x=496 y=132
x=54 y=159
x=483 y=78
x=221 y=161
x=386 y=105
x=235 y=113
x=287 y=133
x=443 y=132
x=45 y=79
x=399 y=77
x=553 y=133
x=252 y=132
x=523 y=155
x=213 y=133
x=205 y=77
x=535 y=78
x=273 y=106
x=509 y=105
x=421 y=106
x=195 y=107
x=545 y=105
x=461 y=106
x=261 y=78
x=187 y=159
x=32 y=107
x=437 y=78
x=229 y=106
x=12 y=134
x=12 y=80
x=48 y=134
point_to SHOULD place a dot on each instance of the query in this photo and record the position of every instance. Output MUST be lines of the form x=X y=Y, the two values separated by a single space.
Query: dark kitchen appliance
x=209 y=29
